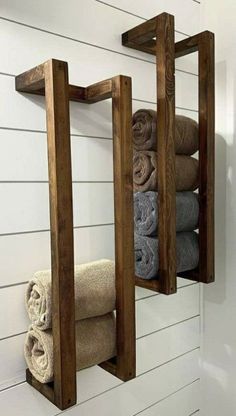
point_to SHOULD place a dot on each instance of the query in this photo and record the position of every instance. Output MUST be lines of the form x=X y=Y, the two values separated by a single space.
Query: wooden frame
x=51 y=79
x=142 y=38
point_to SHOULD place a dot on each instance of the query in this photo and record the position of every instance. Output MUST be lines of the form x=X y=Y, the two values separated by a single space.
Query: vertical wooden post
x=165 y=58
x=61 y=218
x=206 y=156
x=124 y=239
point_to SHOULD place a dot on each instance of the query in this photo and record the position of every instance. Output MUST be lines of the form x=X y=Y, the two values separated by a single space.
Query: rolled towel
x=145 y=132
x=95 y=343
x=94 y=293
x=146 y=212
x=145 y=172
x=146 y=254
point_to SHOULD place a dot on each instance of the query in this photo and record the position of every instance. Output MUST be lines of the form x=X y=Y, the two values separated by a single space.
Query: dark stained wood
x=31 y=81
x=162 y=28
x=61 y=219
x=152 y=284
x=77 y=94
x=190 y=275
x=166 y=153
x=45 y=389
x=51 y=79
x=87 y=95
x=124 y=230
x=99 y=91
x=140 y=34
x=206 y=157
x=54 y=85
x=189 y=45
x=203 y=43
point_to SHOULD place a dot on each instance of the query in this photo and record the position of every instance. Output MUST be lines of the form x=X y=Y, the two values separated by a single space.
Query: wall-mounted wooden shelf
x=156 y=37
x=51 y=79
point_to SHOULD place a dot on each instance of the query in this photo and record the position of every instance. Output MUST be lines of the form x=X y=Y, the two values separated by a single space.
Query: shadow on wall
x=93 y=120
x=216 y=292
x=219 y=337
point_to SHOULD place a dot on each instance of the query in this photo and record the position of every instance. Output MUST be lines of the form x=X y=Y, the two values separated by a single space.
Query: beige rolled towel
x=95 y=343
x=94 y=293
x=145 y=132
x=145 y=172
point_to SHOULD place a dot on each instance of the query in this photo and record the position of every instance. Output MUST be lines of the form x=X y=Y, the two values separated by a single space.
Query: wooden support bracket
x=156 y=37
x=51 y=79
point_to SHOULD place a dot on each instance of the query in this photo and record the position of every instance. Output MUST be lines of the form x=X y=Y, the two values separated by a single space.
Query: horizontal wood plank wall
x=167 y=327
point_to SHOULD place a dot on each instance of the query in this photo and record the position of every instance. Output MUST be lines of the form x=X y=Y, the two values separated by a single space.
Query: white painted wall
x=86 y=33
x=219 y=335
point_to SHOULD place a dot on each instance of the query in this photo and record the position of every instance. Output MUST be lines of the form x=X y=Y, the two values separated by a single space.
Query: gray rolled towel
x=145 y=132
x=146 y=212
x=146 y=254
x=95 y=342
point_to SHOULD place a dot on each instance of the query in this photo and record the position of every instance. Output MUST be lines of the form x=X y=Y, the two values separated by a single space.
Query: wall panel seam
x=136 y=15
x=47 y=230
x=81 y=135
x=88 y=43
x=167 y=397
x=114 y=387
x=142 y=336
x=140 y=375
x=169 y=326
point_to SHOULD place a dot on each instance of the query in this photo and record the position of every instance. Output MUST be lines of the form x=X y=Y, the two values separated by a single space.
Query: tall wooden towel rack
x=51 y=79
x=156 y=36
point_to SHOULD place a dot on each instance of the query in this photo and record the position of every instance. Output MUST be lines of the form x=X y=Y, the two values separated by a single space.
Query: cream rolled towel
x=94 y=293
x=95 y=343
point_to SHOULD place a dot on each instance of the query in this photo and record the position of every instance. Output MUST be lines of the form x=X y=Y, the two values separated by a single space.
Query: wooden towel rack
x=156 y=36
x=51 y=79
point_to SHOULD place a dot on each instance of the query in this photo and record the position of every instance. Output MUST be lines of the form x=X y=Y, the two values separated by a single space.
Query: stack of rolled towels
x=145 y=171
x=95 y=329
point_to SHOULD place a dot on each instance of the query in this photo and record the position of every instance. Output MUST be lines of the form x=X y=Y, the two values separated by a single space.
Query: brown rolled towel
x=145 y=172
x=94 y=293
x=95 y=343
x=145 y=132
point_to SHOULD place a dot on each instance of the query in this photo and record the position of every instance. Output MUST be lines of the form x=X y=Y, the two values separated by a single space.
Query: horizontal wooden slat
x=23 y=157
x=167 y=344
x=102 y=20
x=126 y=400
x=160 y=311
x=180 y=339
x=152 y=313
x=24 y=254
x=186 y=402
x=28 y=112
x=187 y=16
x=25 y=206
x=87 y=65
x=90 y=243
x=132 y=397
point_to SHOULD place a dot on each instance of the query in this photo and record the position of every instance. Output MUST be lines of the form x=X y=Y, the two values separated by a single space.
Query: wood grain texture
x=166 y=153
x=61 y=219
x=54 y=75
x=162 y=27
x=203 y=43
x=58 y=92
x=166 y=51
x=206 y=157
x=124 y=229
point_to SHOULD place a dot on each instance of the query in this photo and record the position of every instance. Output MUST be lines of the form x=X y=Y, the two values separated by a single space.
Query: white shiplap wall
x=86 y=33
